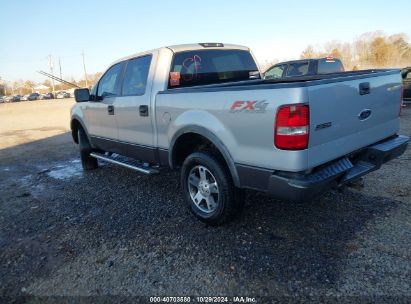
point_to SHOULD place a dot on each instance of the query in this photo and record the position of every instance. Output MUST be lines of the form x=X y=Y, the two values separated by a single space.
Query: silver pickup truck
x=204 y=109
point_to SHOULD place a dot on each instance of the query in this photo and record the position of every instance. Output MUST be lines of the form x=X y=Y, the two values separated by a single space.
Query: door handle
x=110 y=110
x=364 y=88
x=143 y=110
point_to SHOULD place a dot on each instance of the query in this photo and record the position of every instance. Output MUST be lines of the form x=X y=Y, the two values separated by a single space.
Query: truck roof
x=199 y=46
x=186 y=47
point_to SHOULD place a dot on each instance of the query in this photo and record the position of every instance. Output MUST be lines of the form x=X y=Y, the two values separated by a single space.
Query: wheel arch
x=190 y=132
x=75 y=124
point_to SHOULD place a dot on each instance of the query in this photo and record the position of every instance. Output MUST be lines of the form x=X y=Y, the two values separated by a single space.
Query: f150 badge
x=249 y=106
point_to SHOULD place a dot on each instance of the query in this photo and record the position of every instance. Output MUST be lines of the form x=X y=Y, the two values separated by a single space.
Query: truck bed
x=290 y=81
x=335 y=103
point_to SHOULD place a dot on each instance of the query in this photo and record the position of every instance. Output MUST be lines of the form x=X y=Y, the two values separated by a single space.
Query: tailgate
x=342 y=120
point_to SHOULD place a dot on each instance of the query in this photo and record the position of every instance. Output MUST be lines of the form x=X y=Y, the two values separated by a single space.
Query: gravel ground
x=116 y=232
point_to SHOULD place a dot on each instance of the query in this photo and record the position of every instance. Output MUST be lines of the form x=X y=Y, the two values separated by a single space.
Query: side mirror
x=82 y=95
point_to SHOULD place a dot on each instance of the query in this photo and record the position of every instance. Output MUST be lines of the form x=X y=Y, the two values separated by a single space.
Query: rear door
x=133 y=111
x=100 y=113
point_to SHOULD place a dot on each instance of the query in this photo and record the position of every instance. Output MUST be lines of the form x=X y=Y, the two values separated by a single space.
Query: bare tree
x=47 y=83
x=369 y=50
x=28 y=86
x=309 y=52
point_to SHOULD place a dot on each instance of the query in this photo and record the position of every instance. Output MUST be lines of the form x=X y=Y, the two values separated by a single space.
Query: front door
x=100 y=113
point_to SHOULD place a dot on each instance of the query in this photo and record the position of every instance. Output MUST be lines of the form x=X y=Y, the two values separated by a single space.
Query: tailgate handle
x=364 y=88
x=110 y=110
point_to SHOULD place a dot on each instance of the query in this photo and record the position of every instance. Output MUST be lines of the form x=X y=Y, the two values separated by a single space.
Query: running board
x=138 y=168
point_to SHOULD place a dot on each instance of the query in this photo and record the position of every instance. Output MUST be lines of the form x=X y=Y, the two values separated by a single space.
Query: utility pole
x=61 y=77
x=51 y=72
x=84 y=66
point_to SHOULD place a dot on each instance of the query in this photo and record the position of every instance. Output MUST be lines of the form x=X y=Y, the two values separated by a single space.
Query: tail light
x=291 y=130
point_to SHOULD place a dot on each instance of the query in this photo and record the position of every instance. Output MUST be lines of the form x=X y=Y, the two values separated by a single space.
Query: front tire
x=209 y=190
x=87 y=162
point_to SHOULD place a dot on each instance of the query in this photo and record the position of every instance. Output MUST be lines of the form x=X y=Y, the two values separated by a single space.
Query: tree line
x=369 y=50
x=24 y=87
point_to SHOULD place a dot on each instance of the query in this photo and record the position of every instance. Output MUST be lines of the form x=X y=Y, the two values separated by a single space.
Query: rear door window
x=297 y=69
x=202 y=67
x=135 y=78
x=327 y=66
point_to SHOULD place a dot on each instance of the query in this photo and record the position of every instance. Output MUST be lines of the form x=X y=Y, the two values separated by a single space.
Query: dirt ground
x=114 y=232
x=24 y=122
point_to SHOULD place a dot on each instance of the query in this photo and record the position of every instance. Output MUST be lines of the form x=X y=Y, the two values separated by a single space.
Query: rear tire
x=88 y=162
x=209 y=190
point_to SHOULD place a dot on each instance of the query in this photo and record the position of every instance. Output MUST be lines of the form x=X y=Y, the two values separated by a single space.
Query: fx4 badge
x=254 y=106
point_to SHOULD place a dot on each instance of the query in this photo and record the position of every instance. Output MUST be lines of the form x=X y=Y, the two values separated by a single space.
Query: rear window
x=297 y=69
x=326 y=66
x=202 y=67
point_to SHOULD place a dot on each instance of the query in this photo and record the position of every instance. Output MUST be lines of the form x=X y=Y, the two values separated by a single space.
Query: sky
x=107 y=30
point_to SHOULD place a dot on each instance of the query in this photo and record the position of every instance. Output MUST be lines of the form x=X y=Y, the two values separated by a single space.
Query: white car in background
x=62 y=95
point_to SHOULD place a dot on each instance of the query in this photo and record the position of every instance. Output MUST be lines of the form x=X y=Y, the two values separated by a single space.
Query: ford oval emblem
x=364 y=114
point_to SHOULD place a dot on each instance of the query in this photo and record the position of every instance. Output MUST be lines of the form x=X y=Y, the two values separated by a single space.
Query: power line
x=58 y=79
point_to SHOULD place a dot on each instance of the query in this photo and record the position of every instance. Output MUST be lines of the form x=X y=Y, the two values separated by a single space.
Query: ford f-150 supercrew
x=204 y=109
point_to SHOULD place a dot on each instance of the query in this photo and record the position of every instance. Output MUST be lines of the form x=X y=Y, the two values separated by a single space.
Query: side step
x=136 y=167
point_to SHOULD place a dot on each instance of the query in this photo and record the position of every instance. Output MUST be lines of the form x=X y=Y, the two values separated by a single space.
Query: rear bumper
x=299 y=186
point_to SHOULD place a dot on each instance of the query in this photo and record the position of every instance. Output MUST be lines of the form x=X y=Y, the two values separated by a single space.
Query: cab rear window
x=202 y=67
x=326 y=66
